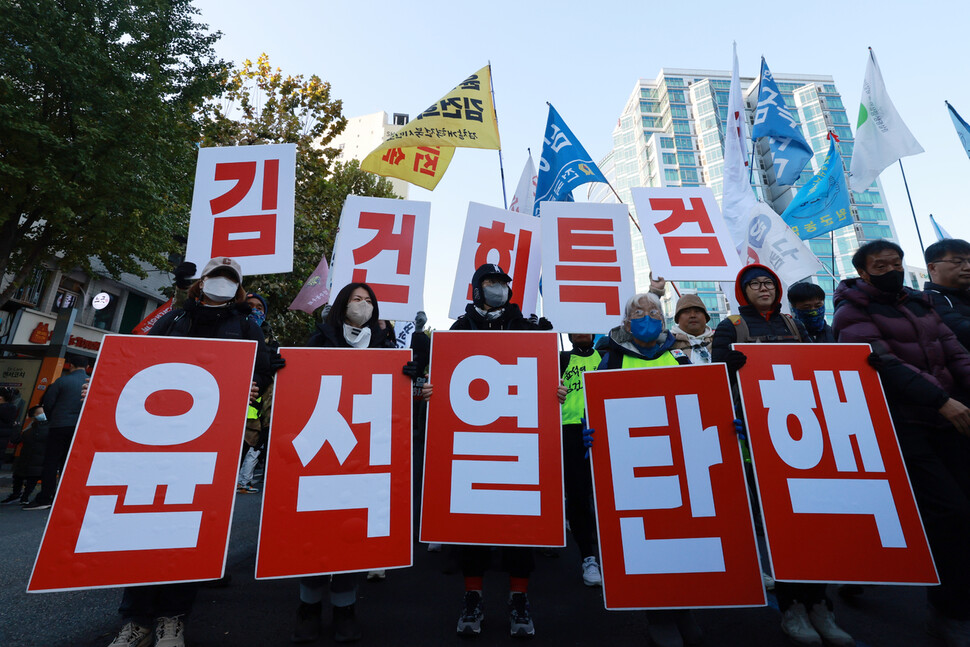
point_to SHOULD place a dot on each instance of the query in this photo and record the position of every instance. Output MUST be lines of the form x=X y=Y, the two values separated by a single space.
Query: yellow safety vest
x=666 y=359
x=572 y=378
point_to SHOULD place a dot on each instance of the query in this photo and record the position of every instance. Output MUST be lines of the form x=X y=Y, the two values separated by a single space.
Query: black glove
x=735 y=359
x=411 y=370
x=184 y=273
x=875 y=361
x=544 y=324
x=277 y=361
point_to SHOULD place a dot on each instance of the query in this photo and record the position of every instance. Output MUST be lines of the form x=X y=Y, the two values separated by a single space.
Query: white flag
x=881 y=137
x=737 y=198
x=771 y=242
x=525 y=194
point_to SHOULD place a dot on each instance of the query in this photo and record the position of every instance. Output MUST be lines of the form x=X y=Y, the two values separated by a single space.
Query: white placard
x=684 y=234
x=587 y=265
x=242 y=207
x=384 y=243
x=506 y=238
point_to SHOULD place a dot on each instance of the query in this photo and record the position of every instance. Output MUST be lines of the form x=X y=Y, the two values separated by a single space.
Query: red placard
x=836 y=499
x=675 y=527
x=493 y=453
x=337 y=495
x=157 y=445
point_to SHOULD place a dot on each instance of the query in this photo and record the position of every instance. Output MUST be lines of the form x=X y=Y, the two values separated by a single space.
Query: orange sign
x=493 y=453
x=146 y=495
x=338 y=472
x=672 y=507
x=836 y=498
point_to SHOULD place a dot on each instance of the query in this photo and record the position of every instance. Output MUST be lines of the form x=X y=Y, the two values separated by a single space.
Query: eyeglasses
x=956 y=262
x=757 y=286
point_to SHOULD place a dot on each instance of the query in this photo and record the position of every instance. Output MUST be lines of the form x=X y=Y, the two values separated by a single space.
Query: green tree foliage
x=99 y=122
x=260 y=105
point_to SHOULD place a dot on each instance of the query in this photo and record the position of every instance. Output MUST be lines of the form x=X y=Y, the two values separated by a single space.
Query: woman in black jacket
x=215 y=308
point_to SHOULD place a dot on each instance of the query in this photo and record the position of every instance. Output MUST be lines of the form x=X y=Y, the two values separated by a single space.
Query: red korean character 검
x=688 y=250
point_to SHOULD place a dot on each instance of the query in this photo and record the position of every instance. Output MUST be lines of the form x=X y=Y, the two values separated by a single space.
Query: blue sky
x=585 y=59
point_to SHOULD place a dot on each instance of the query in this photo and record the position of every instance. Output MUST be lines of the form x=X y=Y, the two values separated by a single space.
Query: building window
x=684 y=143
x=32 y=290
x=676 y=96
x=666 y=142
x=669 y=158
x=686 y=159
x=838 y=117
x=688 y=175
x=400 y=119
x=671 y=175
x=681 y=127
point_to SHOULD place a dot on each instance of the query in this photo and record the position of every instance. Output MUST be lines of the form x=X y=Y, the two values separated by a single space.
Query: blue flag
x=941 y=233
x=789 y=150
x=963 y=129
x=822 y=205
x=564 y=164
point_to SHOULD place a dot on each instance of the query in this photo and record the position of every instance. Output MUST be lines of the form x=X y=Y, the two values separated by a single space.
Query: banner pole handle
x=501 y=166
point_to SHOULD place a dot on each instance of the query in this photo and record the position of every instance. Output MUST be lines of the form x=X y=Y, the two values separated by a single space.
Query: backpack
x=744 y=334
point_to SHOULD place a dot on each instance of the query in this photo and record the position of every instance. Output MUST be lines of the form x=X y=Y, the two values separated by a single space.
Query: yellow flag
x=420 y=151
x=419 y=165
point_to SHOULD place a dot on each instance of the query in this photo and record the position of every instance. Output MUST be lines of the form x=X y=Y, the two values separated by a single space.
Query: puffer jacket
x=953 y=306
x=769 y=327
x=30 y=462
x=922 y=363
x=326 y=336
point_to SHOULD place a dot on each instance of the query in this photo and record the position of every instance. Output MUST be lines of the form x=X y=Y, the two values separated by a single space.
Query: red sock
x=473 y=583
x=519 y=584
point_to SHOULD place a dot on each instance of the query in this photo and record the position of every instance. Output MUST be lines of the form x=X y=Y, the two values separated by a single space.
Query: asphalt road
x=413 y=606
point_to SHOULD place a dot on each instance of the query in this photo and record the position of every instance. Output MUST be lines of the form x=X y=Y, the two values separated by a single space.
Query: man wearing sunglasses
x=948 y=262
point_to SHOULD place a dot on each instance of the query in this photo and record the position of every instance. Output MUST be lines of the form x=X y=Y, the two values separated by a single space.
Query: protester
x=353 y=321
x=807 y=302
x=575 y=462
x=926 y=374
x=215 y=308
x=691 y=333
x=29 y=465
x=257 y=418
x=491 y=309
x=948 y=262
x=62 y=402
x=641 y=341
x=807 y=616
x=10 y=402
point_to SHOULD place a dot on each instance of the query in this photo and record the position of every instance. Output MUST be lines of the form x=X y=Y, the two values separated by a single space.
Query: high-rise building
x=671 y=133
x=365 y=133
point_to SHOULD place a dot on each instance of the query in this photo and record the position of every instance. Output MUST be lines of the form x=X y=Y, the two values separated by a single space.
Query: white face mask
x=359 y=312
x=219 y=288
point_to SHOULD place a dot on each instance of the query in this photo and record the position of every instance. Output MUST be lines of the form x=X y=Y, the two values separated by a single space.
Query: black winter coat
x=326 y=336
x=953 y=306
x=30 y=463
x=231 y=322
x=510 y=319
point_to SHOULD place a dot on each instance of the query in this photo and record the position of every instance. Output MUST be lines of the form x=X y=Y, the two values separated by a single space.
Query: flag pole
x=754 y=144
x=910 y=197
x=501 y=166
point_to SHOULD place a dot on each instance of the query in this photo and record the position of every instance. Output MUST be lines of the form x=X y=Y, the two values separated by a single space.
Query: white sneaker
x=132 y=635
x=169 y=632
x=434 y=548
x=376 y=576
x=823 y=620
x=798 y=628
x=591 y=572
x=768 y=581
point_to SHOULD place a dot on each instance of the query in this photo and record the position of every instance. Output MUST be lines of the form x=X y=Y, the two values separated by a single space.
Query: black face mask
x=891 y=281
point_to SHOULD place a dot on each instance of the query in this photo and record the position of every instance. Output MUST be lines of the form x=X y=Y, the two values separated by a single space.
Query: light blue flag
x=963 y=129
x=564 y=164
x=941 y=233
x=789 y=150
x=822 y=205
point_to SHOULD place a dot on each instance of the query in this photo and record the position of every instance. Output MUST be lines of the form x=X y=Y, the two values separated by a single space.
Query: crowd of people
x=918 y=340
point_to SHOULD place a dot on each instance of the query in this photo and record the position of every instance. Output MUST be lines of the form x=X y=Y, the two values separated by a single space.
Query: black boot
x=307 y=627
x=345 y=627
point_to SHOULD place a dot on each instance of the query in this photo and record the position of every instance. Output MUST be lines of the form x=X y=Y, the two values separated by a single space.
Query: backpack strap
x=792 y=326
x=741 y=331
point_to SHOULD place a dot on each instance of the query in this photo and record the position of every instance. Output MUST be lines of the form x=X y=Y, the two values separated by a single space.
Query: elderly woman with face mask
x=642 y=340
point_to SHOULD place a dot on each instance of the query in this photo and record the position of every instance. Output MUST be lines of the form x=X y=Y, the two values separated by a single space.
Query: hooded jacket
x=689 y=343
x=922 y=363
x=326 y=336
x=769 y=327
